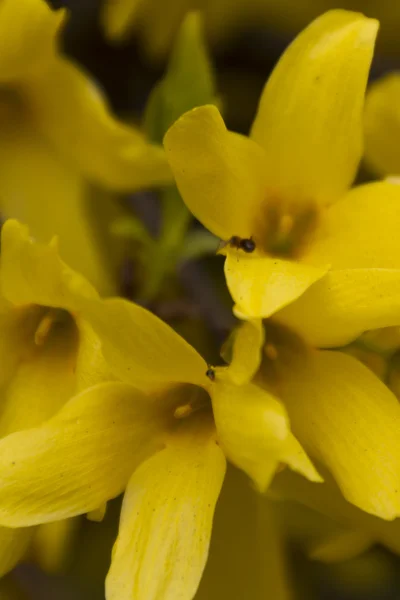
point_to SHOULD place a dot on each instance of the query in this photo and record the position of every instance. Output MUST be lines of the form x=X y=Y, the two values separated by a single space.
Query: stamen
x=51 y=316
x=286 y=224
x=270 y=351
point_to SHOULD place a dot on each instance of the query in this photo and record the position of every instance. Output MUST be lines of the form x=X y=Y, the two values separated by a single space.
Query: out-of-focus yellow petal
x=78 y=459
x=220 y=175
x=247 y=555
x=359 y=239
x=253 y=431
x=166 y=521
x=49 y=195
x=347 y=419
x=260 y=286
x=310 y=115
x=14 y=544
x=118 y=15
x=142 y=349
x=246 y=351
x=327 y=499
x=341 y=546
x=33 y=273
x=68 y=108
x=382 y=125
x=53 y=544
x=28 y=30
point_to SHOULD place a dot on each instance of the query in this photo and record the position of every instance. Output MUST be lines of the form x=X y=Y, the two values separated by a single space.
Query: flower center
x=286 y=228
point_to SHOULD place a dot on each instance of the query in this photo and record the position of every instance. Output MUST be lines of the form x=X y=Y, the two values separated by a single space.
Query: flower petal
x=220 y=175
x=382 y=125
x=78 y=459
x=118 y=16
x=359 y=239
x=54 y=543
x=33 y=273
x=310 y=115
x=166 y=521
x=341 y=546
x=68 y=108
x=347 y=419
x=246 y=351
x=253 y=431
x=52 y=198
x=260 y=286
x=28 y=31
x=14 y=544
x=142 y=349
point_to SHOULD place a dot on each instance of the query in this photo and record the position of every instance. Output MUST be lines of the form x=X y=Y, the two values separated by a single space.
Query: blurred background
x=244 y=39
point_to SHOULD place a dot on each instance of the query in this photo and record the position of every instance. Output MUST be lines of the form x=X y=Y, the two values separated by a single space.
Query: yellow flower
x=163 y=433
x=59 y=139
x=48 y=351
x=284 y=190
x=345 y=418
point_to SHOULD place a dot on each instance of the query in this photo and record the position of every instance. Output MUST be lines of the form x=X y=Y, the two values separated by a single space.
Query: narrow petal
x=220 y=174
x=142 y=349
x=33 y=273
x=246 y=351
x=253 y=431
x=342 y=546
x=118 y=16
x=359 y=239
x=310 y=115
x=260 y=286
x=166 y=521
x=14 y=544
x=70 y=111
x=28 y=31
x=80 y=458
x=382 y=125
x=53 y=544
x=347 y=419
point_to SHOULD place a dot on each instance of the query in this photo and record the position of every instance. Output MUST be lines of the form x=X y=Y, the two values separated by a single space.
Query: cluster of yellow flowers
x=100 y=396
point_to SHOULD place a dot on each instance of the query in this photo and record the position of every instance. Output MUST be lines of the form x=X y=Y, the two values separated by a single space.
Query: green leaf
x=131 y=228
x=188 y=82
x=199 y=243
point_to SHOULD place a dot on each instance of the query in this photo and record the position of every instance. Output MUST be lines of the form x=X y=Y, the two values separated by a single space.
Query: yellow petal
x=14 y=544
x=327 y=500
x=347 y=419
x=33 y=273
x=246 y=351
x=166 y=521
x=49 y=195
x=42 y=381
x=359 y=239
x=69 y=110
x=382 y=125
x=310 y=115
x=78 y=459
x=142 y=349
x=247 y=553
x=253 y=431
x=53 y=544
x=28 y=31
x=341 y=546
x=260 y=286
x=118 y=16
x=220 y=175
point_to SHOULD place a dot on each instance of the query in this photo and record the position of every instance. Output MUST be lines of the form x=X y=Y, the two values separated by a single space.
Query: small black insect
x=210 y=373
x=246 y=244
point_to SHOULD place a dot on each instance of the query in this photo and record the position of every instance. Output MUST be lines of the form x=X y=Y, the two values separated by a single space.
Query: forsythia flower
x=164 y=434
x=283 y=192
x=59 y=139
x=48 y=352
